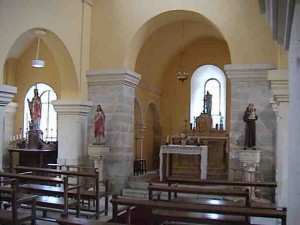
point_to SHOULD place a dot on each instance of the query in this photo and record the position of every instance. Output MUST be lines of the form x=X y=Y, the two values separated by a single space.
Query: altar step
x=137 y=186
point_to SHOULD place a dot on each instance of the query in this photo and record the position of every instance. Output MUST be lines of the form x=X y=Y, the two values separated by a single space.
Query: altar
x=165 y=156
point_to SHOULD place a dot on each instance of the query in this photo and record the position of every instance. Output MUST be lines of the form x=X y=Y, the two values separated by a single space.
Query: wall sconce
x=38 y=63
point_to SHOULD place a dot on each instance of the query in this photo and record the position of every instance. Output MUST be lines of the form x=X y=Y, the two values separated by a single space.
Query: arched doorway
x=152 y=137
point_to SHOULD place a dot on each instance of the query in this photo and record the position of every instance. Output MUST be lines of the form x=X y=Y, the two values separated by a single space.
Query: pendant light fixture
x=38 y=63
x=182 y=74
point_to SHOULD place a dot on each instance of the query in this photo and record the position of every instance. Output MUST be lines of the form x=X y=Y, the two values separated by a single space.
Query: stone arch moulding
x=155 y=23
x=64 y=62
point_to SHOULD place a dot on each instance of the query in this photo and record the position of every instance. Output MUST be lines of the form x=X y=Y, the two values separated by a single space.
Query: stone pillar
x=86 y=10
x=114 y=90
x=280 y=88
x=6 y=94
x=249 y=84
x=139 y=137
x=72 y=123
x=293 y=160
x=9 y=118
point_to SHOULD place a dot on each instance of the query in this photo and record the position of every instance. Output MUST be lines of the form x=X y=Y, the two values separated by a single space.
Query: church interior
x=190 y=90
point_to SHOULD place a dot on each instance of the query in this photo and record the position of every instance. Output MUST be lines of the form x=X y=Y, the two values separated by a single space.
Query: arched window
x=48 y=123
x=210 y=79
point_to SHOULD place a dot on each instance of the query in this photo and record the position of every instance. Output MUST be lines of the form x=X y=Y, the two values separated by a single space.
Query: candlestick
x=168 y=139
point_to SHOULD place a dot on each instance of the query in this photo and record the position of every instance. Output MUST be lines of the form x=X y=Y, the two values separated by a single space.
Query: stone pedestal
x=250 y=159
x=97 y=152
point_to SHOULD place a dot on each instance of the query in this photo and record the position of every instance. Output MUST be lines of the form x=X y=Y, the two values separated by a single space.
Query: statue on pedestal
x=207 y=104
x=35 y=108
x=99 y=125
x=250 y=131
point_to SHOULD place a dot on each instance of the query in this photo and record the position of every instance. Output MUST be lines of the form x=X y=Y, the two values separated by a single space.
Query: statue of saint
x=35 y=108
x=250 y=131
x=99 y=125
x=207 y=103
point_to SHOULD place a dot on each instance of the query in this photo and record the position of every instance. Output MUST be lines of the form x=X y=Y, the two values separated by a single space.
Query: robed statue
x=207 y=104
x=99 y=125
x=249 y=118
x=35 y=108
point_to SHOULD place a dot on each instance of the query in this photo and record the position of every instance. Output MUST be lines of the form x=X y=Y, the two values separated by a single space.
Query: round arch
x=56 y=49
x=159 y=21
x=198 y=87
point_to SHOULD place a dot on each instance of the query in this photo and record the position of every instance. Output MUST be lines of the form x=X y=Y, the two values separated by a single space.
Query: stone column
x=6 y=94
x=9 y=118
x=114 y=90
x=293 y=160
x=280 y=88
x=249 y=84
x=72 y=119
x=86 y=11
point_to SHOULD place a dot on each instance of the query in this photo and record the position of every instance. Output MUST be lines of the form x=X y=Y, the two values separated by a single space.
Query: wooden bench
x=49 y=197
x=196 y=181
x=81 y=221
x=162 y=210
x=13 y=197
x=94 y=194
x=198 y=190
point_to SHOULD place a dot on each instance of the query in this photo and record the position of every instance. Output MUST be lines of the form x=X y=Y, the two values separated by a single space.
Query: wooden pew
x=10 y=194
x=81 y=221
x=95 y=194
x=49 y=197
x=198 y=190
x=196 y=181
x=161 y=208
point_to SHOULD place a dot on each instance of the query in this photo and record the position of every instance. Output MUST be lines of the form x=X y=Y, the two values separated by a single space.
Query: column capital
x=279 y=82
x=72 y=106
x=139 y=130
x=88 y=2
x=246 y=73
x=121 y=76
x=6 y=94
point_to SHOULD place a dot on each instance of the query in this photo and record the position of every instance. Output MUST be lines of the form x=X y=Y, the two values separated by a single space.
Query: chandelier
x=182 y=74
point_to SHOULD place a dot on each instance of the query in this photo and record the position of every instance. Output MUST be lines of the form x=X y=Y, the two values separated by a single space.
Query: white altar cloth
x=187 y=150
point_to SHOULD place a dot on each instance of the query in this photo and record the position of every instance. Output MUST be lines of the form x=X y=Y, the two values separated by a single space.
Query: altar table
x=165 y=163
x=32 y=157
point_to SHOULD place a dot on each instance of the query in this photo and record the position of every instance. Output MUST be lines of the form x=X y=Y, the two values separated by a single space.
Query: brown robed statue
x=250 y=131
